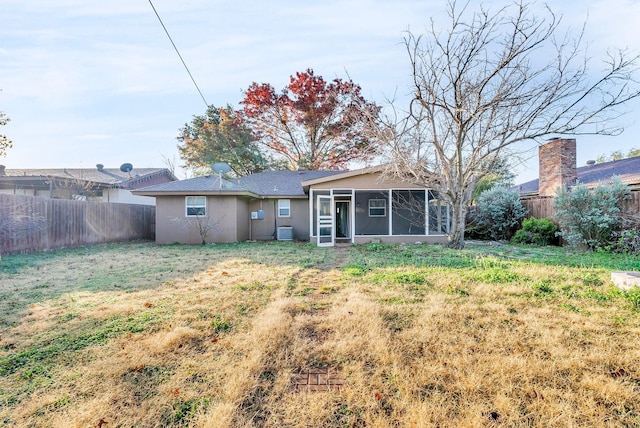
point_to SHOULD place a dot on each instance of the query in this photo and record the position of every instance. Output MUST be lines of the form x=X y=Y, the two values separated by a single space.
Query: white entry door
x=325 y=221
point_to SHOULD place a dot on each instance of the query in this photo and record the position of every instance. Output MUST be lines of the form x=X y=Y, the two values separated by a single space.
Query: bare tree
x=204 y=225
x=170 y=163
x=77 y=188
x=488 y=81
x=5 y=142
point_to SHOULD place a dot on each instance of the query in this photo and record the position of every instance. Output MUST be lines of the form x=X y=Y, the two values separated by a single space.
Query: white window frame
x=284 y=204
x=191 y=202
x=383 y=208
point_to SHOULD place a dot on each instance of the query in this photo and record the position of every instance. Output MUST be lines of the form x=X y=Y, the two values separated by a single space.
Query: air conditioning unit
x=285 y=233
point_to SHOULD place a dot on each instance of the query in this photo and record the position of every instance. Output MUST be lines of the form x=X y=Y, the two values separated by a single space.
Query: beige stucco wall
x=370 y=181
x=222 y=213
x=266 y=229
x=123 y=196
x=243 y=217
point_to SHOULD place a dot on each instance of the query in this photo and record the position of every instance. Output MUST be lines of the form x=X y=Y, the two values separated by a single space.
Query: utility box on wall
x=257 y=215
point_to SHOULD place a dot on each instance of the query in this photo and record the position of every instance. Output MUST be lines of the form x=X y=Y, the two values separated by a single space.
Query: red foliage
x=313 y=123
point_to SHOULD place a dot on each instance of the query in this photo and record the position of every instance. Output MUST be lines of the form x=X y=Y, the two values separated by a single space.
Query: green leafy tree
x=589 y=217
x=220 y=135
x=617 y=155
x=501 y=176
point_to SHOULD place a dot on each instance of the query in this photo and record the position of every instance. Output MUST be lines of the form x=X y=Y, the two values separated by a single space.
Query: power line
x=178 y=52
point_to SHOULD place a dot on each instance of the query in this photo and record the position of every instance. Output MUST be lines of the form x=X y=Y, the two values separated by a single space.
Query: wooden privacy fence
x=542 y=207
x=29 y=224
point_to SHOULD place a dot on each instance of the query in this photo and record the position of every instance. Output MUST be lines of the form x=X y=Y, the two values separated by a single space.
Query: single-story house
x=98 y=184
x=326 y=207
x=558 y=168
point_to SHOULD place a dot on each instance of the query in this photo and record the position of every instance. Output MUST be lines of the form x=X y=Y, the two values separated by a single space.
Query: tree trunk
x=458 y=221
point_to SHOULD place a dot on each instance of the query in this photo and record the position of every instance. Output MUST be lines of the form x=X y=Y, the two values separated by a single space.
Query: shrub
x=536 y=231
x=472 y=229
x=626 y=241
x=499 y=211
x=589 y=217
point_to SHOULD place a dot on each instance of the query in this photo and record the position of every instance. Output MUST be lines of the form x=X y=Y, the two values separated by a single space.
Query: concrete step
x=626 y=280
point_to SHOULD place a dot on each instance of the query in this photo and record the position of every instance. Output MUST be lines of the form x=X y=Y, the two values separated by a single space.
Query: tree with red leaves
x=312 y=124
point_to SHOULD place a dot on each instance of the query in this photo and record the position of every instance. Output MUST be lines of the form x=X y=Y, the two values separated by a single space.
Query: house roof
x=199 y=185
x=105 y=177
x=265 y=184
x=628 y=170
x=282 y=183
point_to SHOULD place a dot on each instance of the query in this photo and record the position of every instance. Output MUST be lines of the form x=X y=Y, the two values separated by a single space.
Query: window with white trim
x=377 y=207
x=196 y=206
x=284 y=208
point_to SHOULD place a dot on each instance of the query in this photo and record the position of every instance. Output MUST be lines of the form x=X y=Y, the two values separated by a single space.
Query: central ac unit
x=285 y=233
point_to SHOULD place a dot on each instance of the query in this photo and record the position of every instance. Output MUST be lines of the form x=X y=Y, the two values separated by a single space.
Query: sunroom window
x=377 y=207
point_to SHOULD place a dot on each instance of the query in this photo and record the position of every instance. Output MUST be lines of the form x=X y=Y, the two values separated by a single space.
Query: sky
x=87 y=82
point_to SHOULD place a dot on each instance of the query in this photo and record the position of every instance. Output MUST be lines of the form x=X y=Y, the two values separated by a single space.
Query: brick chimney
x=557 y=165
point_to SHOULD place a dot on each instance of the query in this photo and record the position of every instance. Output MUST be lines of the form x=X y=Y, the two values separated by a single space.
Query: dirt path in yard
x=317 y=288
x=324 y=275
x=340 y=259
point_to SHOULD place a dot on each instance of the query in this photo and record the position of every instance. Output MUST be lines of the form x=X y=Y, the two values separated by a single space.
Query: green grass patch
x=38 y=358
x=496 y=275
x=633 y=297
x=406 y=276
x=183 y=411
x=220 y=325
x=354 y=270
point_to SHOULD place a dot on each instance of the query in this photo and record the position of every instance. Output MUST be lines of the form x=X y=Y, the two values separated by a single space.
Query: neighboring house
x=558 y=168
x=326 y=207
x=91 y=184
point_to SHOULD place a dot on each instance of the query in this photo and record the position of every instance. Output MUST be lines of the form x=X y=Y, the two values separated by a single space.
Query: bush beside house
x=498 y=212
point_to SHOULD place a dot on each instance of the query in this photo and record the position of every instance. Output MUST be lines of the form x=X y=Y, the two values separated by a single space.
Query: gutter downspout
x=275 y=219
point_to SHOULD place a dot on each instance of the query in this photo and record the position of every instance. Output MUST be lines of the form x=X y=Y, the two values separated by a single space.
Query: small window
x=196 y=206
x=377 y=207
x=284 y=208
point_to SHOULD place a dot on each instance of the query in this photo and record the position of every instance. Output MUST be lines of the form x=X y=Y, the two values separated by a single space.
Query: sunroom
x=374 y=210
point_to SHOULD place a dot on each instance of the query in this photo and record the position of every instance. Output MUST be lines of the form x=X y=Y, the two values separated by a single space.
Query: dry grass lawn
x=140 y=335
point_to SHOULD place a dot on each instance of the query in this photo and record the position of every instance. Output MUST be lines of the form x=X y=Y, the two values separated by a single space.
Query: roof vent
x=591 y=162
x=100 y=167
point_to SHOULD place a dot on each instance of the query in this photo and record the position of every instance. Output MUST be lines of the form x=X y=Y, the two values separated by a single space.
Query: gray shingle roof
x=208 y=183
x=281 y=183
x=628 y=170
x=268 y=183
x=109 y=176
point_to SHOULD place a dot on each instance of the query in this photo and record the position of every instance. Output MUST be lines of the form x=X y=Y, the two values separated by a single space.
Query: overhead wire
x=178 y=52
